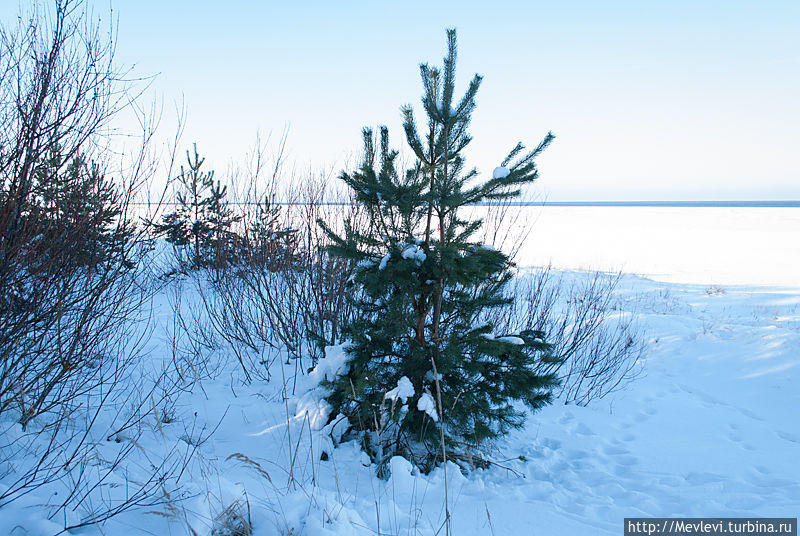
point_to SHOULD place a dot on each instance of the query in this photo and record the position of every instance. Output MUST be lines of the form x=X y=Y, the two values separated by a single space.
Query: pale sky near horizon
x=677 y=100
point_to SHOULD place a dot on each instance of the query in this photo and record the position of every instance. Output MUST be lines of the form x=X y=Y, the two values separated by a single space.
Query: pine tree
x=267 y=243
x=421 y=368
x=78 y=211
x=202 y=220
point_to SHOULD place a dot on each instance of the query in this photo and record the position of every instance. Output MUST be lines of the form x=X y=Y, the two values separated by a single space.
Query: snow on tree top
x=500 y=172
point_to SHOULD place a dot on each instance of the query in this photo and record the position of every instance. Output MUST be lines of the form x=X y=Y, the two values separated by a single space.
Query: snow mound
x=403 y=391
x=365 y=263
x=314 y=409
x=333 y=364
x=413 y=252
x=512 y=339
x=427 y=405
x=336 y=428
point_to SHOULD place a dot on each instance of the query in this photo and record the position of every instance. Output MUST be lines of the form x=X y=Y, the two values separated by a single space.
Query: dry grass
x=234 y=520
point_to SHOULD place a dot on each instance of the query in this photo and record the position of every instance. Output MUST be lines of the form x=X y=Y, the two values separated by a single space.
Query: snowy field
x=711 y=429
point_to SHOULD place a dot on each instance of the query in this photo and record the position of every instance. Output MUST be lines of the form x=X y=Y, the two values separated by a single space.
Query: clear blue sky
x=649 y=100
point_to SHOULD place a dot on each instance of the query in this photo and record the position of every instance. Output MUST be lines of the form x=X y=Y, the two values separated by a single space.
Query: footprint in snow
x=741 y=505
x=788 y=437
x=597 y=479
x=577 y=454
x=552 y=444
x=739 y=438
x=575 y=508
x=626 y=460
x=535 y=452
x=781 y=485
x=698 y=479
x=748 y=413
x=736 y=437
x=582 y=429
x=671 y=481
x=613 y=450
x=623 y=471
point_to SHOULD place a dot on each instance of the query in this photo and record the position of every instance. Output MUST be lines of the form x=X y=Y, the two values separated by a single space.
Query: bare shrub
x=283 y=294
x=600 y=347
x=504 y=225
x=193 y=334
x=74 y=295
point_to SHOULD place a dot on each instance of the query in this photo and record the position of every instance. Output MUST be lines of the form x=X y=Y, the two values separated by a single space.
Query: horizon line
x=665 y=204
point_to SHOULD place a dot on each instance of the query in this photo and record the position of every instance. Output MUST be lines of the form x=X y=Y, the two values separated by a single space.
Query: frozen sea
x=706 y=245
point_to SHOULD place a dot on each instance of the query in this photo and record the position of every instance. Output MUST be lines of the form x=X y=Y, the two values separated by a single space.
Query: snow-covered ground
x=711 y=429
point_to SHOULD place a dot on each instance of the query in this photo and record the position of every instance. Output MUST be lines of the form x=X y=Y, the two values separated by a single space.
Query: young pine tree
x=202 y=220
x=421 y=370
x=267 y=243
x=77 y=211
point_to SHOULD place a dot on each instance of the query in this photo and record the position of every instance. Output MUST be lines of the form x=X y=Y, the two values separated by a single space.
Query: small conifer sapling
x=420 y=283
x=202 y=220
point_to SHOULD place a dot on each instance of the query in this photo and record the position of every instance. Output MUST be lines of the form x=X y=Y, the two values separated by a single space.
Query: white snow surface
x=710 y=430
x=500 y=172
x=512 y=339
x=427 y=405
